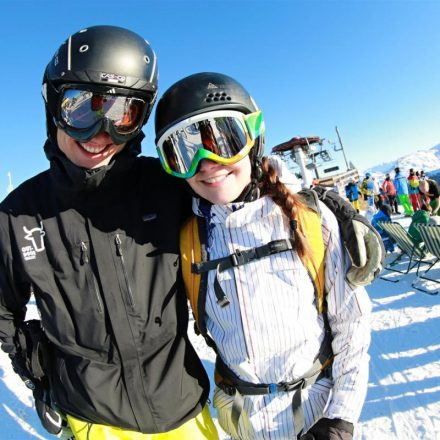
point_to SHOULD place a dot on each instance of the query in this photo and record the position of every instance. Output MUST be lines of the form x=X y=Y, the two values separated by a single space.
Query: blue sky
x=370 y=67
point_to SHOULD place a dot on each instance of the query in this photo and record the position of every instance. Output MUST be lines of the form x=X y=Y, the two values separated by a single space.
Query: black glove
x=28 y=362
x=363 y=243
x=53 y=420
x=19 y=365
x=31 y=351
x=329 y=429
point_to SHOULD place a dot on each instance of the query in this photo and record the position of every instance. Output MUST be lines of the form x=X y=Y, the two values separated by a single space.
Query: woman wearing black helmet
x=95 y=239
x=253 y=263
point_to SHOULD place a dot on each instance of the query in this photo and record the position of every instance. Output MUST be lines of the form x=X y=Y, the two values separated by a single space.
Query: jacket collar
x=72 y=180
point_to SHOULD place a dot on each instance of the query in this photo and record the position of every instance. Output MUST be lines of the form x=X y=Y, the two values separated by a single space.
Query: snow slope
x=427 y=160
x=403 y=401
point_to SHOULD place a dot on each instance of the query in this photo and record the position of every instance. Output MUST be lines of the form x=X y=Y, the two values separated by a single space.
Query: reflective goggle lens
x=225 y=137
x=81 y=109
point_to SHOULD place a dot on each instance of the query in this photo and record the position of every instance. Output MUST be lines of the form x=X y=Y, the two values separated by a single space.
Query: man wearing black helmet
x=95 y=240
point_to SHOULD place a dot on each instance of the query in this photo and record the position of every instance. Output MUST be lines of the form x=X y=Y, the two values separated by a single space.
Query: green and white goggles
x=223 y=136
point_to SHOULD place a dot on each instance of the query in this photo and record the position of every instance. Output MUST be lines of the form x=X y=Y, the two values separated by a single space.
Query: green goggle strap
x=255 y=123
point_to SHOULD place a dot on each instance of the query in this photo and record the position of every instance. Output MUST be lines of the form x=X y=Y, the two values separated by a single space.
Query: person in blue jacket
x=383 y=215
x=352 y=193
x=401 y=185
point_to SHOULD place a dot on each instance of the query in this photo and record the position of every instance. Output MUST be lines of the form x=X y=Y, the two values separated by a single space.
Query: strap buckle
x=29 y=384
x=279 y=246
x=297 y=385
x=230 y=390
x=285 y=386
x=197 y=268
x=224 y=301
x=237 y=258
x=273 y=388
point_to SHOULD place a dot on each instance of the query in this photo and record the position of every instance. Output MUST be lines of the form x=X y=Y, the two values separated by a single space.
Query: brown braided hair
x=270 y=185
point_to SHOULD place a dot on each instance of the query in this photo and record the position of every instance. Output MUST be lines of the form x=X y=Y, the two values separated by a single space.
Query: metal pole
x=301 y=161
x=313 y=161
x=342 y=147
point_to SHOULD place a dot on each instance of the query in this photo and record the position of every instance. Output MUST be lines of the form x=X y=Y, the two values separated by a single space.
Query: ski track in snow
x=403 y=400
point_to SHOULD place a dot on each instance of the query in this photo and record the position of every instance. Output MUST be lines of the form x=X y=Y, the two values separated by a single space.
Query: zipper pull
x=84 y=255
x=118 y=245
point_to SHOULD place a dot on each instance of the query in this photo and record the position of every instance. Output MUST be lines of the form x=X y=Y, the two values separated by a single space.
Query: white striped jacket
x=271 y=331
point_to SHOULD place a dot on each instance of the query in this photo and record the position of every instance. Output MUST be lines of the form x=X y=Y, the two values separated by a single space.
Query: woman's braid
x=270 y=185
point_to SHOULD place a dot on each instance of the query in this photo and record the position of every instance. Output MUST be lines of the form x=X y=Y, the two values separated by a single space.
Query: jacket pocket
x=121 y=257
x=92 y=282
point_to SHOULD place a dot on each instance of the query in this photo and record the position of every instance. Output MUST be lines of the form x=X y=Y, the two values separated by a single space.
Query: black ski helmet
x=102 y=56
x=201 y=93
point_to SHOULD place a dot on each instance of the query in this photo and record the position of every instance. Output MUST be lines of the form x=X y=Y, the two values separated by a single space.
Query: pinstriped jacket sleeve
x=349 y=313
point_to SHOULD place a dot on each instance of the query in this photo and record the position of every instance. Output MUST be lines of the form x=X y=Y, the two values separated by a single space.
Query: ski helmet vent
x=217 y=97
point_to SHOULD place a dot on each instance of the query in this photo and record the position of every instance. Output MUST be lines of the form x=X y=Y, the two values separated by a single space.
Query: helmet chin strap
x=252 y=191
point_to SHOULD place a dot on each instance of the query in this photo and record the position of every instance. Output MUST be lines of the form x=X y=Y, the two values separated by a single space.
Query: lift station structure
x=308 y=154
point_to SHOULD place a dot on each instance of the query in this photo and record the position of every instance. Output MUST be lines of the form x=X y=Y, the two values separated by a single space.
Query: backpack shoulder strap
x=193 y=239
x=190 y=252
x=311 y=199
x=309 y=223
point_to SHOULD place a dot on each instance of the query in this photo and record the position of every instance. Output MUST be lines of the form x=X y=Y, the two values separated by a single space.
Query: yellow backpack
x=195 y=268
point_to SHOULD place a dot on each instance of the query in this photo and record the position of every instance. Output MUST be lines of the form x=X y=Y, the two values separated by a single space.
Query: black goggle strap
x=51 y=98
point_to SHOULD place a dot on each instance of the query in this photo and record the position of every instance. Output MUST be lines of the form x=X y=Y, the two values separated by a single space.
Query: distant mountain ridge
x=427 y=160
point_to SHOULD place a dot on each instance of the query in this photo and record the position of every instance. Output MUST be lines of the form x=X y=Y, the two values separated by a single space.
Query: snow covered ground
x=403 y=400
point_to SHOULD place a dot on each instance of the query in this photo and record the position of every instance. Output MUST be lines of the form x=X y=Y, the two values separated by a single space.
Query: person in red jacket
x=390 y=191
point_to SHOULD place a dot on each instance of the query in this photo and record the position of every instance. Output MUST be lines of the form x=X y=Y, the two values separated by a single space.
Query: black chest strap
x=239 y=258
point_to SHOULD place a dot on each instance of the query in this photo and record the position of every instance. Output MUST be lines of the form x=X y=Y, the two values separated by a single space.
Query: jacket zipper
x=120 y=254
x=84 y=259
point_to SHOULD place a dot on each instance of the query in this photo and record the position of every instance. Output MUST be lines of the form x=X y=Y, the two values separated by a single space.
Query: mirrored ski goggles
x=224 y=137
x=84 y=112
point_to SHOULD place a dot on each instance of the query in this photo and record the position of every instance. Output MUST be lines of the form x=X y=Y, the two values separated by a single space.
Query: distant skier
x=401 y=185
x=363 y=189
x=413 y=188
x=430 y=189
x=352 y=193
x=390 y=191
x=376 y=193
x=383 y=215
x=368 y=191
x=421 y=217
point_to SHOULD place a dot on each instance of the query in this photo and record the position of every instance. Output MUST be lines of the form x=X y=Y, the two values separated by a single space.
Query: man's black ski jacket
x=99 y=249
